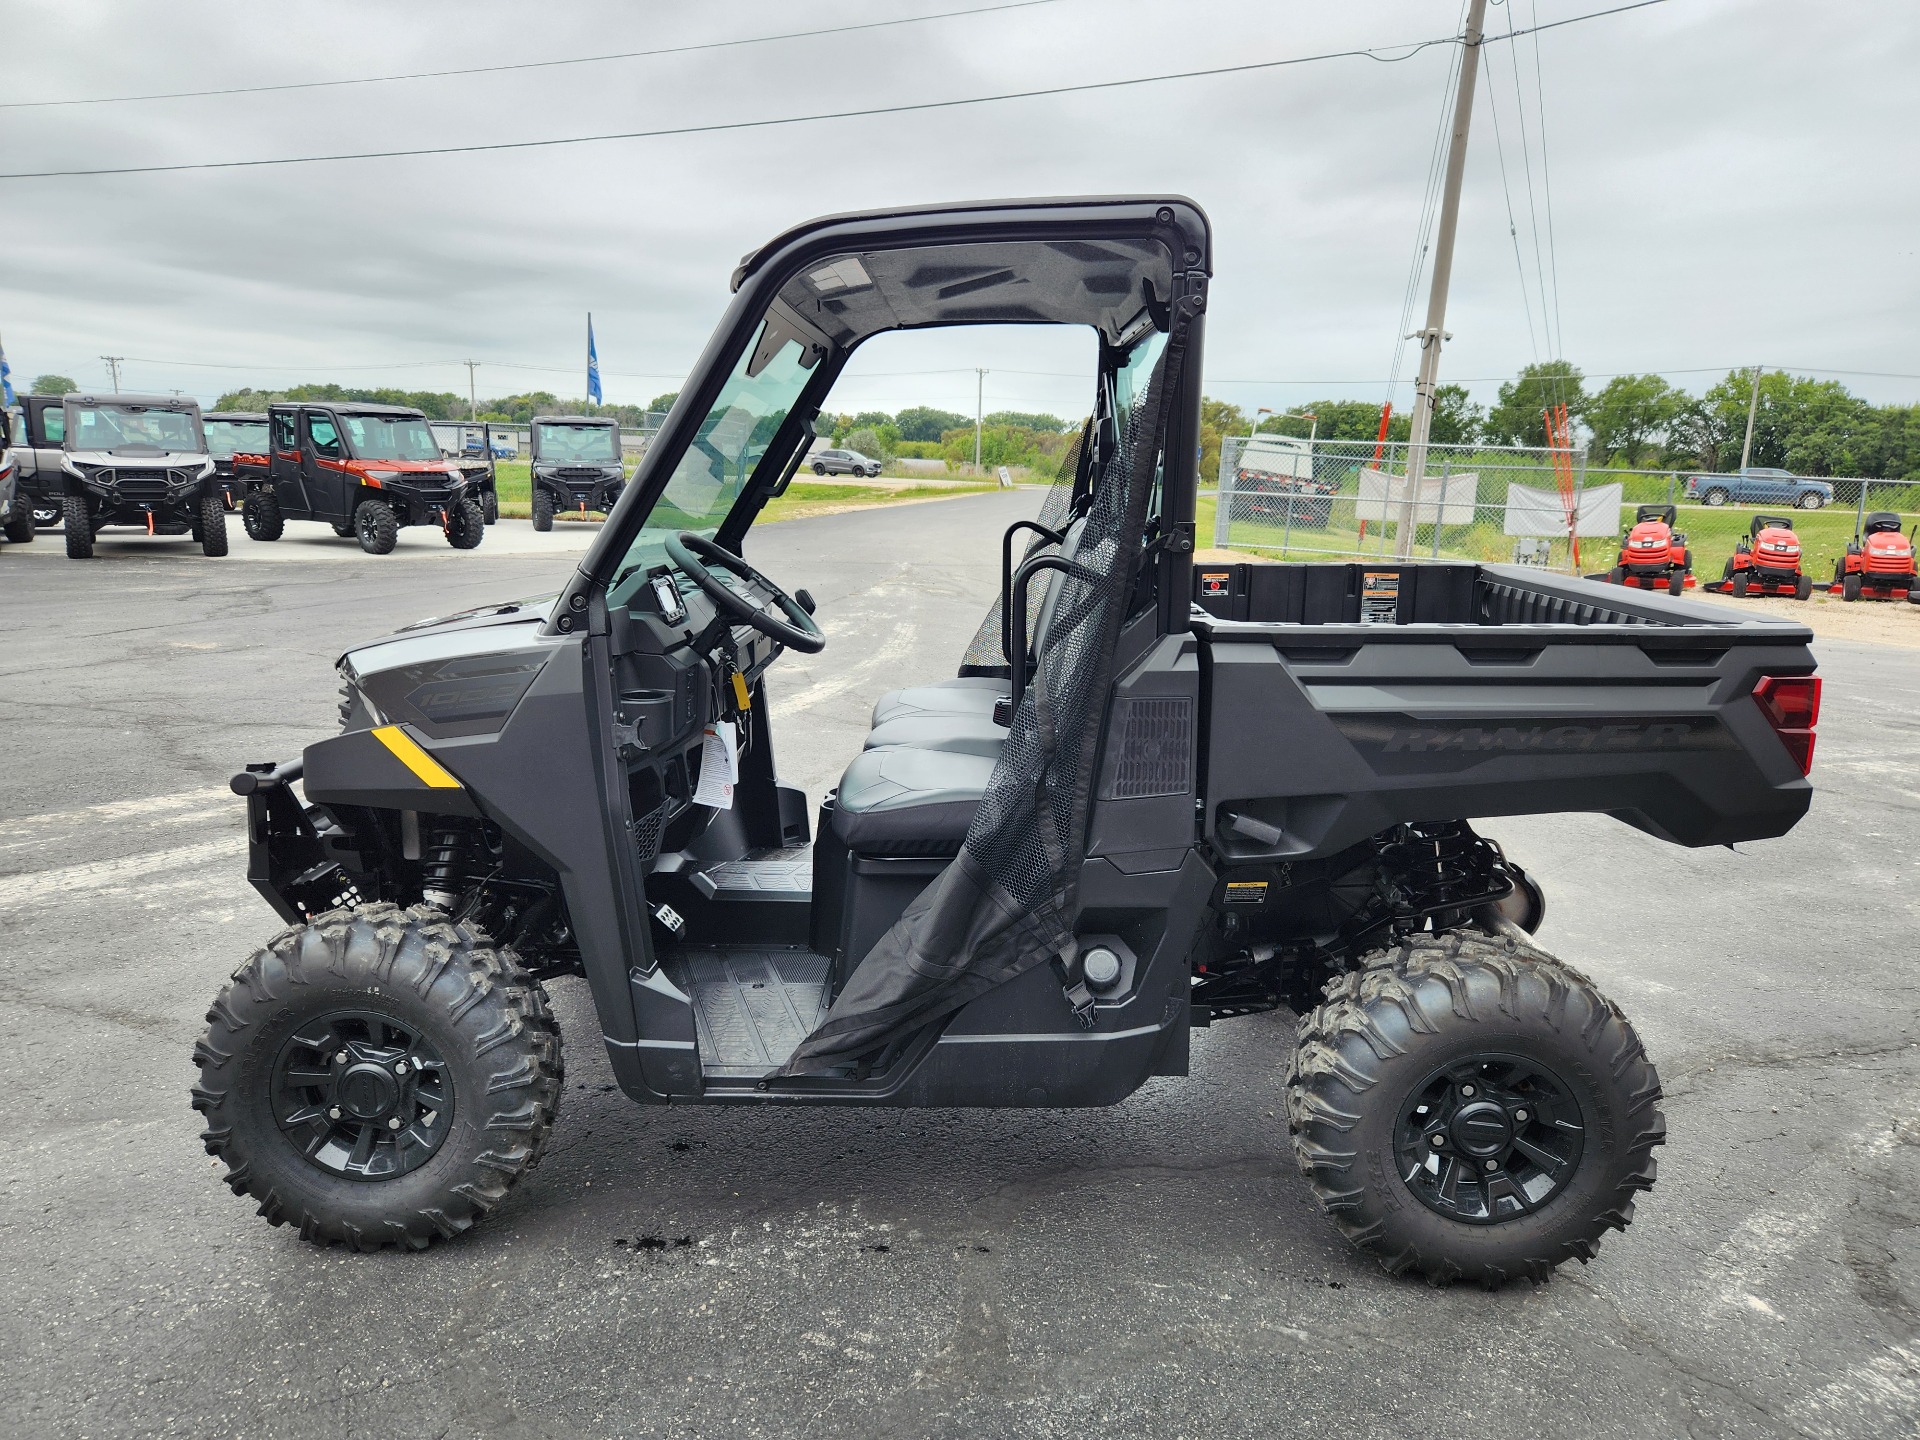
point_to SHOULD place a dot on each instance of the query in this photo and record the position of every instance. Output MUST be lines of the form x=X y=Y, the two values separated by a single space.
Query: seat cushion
x=958 y=734
x=967 y=695
x=901 y=801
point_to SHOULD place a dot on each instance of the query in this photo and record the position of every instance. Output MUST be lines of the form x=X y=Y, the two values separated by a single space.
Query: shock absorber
x=448 y=863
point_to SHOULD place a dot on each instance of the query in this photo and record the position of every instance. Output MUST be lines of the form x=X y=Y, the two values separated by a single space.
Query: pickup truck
x=1760 y=485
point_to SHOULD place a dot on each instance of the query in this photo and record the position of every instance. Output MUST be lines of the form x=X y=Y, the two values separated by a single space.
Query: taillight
x=1791 y=704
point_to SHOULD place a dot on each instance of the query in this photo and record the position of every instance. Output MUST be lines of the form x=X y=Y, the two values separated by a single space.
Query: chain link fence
x=1286 y=499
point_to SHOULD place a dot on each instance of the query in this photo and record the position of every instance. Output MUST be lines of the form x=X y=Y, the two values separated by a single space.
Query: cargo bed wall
x=1320 y=734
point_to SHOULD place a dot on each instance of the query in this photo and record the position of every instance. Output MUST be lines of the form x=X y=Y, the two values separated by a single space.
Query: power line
x=718 y=127
x=1513 y=229
x=1546 y=173
x=524 y=64
x=1423 y=230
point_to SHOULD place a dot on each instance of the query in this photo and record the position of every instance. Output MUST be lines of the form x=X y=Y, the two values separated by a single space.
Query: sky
x=1731 y=183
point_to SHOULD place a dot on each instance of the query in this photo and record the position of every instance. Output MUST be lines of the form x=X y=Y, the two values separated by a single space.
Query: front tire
x=79 y=528
x=1738 y=585
x=376 y=526
x=379 y=1077
x=1811 y=501
x=1803 y=587
x=1716 y=496
x=213 y=527
x=1617 y=575
x=1467 y=1108
x=260 y=515
x=1676 y=582
x=20 y=529
x=490 y=507
x=542 y=510
x=466 y=526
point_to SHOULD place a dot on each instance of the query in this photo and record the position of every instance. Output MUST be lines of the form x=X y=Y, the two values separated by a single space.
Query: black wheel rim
x=362 y=1096
x=1489 y=1138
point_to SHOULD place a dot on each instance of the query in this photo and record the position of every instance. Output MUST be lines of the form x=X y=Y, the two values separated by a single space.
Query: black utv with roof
x=366 y=470
x=1129 y=815
x=576 y=466
x=231 y=436
x=138 y=460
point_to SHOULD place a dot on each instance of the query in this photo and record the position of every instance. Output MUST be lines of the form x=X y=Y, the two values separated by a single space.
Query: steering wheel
x=691 y=553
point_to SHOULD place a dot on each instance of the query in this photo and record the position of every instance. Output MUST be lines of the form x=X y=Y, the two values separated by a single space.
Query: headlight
x=384 y=474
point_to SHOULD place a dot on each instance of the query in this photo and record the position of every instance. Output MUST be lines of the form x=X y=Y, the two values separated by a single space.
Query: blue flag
x=6 y=379
x=593 y=365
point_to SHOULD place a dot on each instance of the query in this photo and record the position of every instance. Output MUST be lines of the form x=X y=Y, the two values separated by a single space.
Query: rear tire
x=314 y=1142
x=1460 y=1036
x=376 y=526
x=1716 y=496
x=489 y=507
x=1850 y=587
x=260 y=515
x=466 y=526
x=213 y=527
x=542 y=510
x=78 y=523
x=819 y=469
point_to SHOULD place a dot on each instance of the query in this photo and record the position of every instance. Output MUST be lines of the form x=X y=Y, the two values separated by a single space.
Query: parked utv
x=138 y=460
x=38 y=427
x=233 y=435
x=1766 y=561
x=1653 y=555
x=1128 y=815
x=1879 y=563
x=576 y=466
x=366 y=470
x=16 y=510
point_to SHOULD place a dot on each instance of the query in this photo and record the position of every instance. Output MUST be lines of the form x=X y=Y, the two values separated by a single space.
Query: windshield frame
x=536 y=447
x=207 y=428
x=356 y=447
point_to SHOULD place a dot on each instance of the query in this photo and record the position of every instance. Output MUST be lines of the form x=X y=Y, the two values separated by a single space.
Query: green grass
x=513 y=481
x=1711 y=533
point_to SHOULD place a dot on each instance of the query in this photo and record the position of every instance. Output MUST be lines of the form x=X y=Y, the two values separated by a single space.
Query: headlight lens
x=383 y=474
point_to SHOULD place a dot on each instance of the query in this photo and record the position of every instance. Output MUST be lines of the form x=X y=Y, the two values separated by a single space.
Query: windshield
x=730 y=443
x=236 y=437
x=579 y=444
x=382 y=437
x=133 y=427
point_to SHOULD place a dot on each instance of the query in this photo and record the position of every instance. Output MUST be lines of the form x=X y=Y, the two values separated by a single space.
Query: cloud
x=1724 y=182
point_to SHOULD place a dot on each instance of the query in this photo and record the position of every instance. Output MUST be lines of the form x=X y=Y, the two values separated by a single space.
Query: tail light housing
x=1791 y=704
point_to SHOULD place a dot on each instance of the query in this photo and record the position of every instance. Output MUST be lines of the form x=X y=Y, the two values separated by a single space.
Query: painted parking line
x=71 y=884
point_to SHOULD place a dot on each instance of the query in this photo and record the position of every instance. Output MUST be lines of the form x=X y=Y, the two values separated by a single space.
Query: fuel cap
x=1101 y=968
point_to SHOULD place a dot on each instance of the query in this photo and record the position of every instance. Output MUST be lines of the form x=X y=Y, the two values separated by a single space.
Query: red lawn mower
x=1878 y=564
x=1766 y=562
x=1653 y=555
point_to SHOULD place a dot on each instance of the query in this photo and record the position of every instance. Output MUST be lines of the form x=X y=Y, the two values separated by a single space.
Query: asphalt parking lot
x=1155 y=1269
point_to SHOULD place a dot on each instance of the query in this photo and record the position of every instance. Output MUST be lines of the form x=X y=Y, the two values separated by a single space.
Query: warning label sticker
x=1380 y=597
x=1246 y=892
x=1216 y=584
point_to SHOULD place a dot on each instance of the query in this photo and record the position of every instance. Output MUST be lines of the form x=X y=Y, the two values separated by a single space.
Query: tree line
x=1808 y=426
x=1025 y=439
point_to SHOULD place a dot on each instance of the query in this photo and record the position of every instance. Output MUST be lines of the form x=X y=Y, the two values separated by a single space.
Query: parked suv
x=364 y=469
x=138 y=460
x=844 y=462
x=576 y=466
x=1760 y=485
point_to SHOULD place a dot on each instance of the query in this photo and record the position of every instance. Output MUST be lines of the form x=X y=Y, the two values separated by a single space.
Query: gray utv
x=1151 y=799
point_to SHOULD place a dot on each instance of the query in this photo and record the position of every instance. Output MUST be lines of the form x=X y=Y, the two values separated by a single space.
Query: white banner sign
x=1543 y=512
x=1447 y=498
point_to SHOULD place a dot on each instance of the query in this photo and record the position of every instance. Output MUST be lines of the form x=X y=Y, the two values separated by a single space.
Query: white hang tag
x=719 y=766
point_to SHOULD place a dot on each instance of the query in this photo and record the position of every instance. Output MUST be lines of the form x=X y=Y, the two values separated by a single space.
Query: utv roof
x=242 y=415
x=182 y=403
x=1105 y=261
x=608 y=420
x=353 y=407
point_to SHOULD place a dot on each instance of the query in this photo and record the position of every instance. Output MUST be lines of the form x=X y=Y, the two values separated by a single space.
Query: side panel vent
x=1150 y=750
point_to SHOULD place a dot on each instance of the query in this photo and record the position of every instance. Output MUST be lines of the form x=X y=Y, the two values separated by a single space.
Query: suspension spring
x=449 y=862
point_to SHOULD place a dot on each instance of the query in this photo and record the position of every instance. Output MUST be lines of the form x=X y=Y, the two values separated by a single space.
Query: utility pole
x=979 y=404
x=473 y=395
x=113 y=368
x=1435 y=330
x=1753 y=406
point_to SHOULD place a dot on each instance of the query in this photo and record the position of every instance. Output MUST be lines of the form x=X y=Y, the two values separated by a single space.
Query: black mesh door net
x=1009 y=900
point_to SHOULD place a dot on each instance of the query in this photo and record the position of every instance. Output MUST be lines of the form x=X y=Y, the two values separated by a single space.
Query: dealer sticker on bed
x=1380 y=597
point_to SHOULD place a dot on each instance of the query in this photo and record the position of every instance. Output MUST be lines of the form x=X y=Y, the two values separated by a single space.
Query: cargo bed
x=1339 y=699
